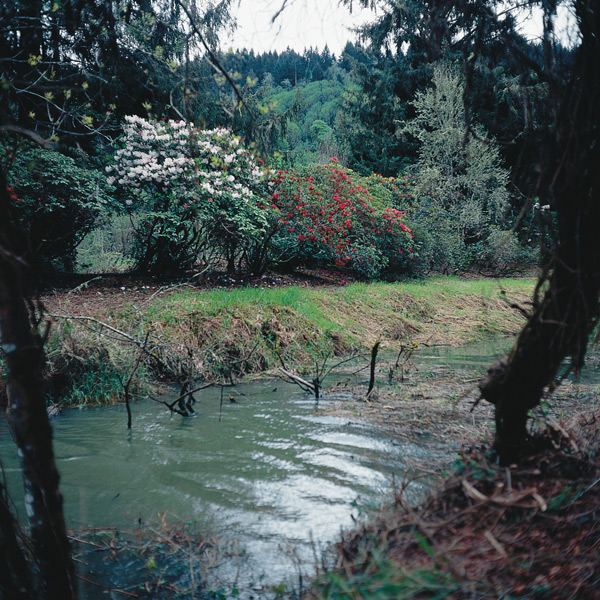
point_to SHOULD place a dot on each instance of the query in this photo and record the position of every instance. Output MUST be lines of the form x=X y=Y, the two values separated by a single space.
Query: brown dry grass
x=531 y=531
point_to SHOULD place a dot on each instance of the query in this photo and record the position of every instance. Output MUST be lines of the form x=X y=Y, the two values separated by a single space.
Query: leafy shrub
x=58 y=202
x=195 y=192
x=327 y=216
x=395 y=192
x=502 y=253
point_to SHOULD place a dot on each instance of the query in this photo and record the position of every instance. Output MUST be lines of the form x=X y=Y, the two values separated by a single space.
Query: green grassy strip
x=359 y=310
x=218 y=334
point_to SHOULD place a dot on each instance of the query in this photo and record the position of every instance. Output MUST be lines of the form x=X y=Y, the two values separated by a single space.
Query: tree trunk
x=15 y=577
x=563 y=320
x=23 y=354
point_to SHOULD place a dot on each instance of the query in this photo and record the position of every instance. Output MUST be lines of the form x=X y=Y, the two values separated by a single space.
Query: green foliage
x=192 y=192
x=327 y=217
x=502 y=252
x=313 y=130
x=58 y=201
x=458 y=179
x=105 y=248
x=384 y=581
x=371 y=113
x=76 y=68
x=84 y=369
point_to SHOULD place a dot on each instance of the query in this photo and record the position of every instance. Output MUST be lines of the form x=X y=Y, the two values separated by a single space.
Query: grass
x=361 y=308
x=388 y=582
x=227 y=333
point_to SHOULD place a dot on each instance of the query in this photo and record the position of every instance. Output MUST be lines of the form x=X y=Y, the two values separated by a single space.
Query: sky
x=302 y=24
x=316 y=23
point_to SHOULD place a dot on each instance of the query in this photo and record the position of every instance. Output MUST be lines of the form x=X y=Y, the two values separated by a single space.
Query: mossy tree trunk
x=565 y=315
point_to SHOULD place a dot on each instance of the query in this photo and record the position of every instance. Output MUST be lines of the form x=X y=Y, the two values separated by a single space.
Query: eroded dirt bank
x=184 y=332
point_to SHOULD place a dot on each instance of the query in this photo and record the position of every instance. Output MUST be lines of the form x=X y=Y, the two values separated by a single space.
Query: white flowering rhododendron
x=179 y=177
x=176 y=154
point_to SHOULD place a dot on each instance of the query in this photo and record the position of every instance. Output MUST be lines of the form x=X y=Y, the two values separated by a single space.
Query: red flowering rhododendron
x=334 y=220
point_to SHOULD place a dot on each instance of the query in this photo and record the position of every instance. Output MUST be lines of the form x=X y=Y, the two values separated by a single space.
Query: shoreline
x=184 y=333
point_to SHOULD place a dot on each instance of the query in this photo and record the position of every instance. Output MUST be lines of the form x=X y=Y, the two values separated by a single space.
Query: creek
x=262 y=466
x=259 y=466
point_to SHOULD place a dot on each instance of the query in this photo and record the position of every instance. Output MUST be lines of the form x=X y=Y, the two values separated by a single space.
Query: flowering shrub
x=395 y=192
x=327 y=215
x=195 y=191
x=201 y=192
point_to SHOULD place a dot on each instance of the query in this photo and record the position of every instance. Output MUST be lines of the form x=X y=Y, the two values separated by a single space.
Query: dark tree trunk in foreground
x=15 y=580
x=23 y=353
x=566 y=314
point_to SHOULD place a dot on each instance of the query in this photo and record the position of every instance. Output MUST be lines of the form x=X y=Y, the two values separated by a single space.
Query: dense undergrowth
x=101 y=339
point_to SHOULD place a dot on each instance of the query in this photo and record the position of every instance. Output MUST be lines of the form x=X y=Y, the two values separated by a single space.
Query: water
x=475 y=358
x=261 y=468
x=478 y=357
x=264 y=467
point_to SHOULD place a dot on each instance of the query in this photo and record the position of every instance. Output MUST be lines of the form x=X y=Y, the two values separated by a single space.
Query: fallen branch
x=510 y=499
x=305 y=385
x=172 y=405
x=374 y=352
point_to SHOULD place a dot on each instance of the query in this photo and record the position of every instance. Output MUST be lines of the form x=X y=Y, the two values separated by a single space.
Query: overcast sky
x=306 y=23
x=302 y=24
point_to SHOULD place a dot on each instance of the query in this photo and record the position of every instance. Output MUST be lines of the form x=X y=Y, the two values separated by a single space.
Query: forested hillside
x=386 y=115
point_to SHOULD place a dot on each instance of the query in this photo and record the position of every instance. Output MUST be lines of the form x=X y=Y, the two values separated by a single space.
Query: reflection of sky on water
x=270 y=470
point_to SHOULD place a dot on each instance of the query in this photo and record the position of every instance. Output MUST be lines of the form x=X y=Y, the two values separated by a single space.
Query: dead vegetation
x=160 y=561
x=531 y=531
x=210 y=337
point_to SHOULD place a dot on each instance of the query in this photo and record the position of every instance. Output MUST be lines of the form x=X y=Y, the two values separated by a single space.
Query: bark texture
x=22 y=349
x=567 y=311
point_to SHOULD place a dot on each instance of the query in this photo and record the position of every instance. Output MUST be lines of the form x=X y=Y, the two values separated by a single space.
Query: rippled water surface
x=263 y=466
x=260 y=467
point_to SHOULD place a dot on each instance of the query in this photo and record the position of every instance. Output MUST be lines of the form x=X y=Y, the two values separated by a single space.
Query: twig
x=130 y=379
x=185 y=394
x=109 y=589
x=215 y=61
x=495 y=543
x=83 y=285
x=162 y=290
x=221 y=405
x=38 y=139
x=560 y=429
x=590 y=487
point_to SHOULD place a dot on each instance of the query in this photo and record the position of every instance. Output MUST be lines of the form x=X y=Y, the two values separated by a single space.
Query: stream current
x=259 y=466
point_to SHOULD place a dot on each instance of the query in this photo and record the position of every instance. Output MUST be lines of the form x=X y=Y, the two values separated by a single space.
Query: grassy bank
x=221 y=334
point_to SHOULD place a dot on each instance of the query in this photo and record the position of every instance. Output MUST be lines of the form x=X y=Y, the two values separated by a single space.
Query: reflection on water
x=477 y=358
x=267 y=469
x=474 y=357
